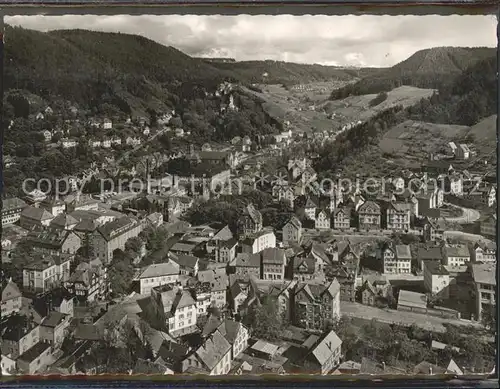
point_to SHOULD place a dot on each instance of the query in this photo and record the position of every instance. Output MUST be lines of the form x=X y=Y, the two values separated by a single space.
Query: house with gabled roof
x=11 y=298
x=341 y=219
x=213 y=357
x=369 y=216
x=156 y=275
x=292 y=231
x=250 y=222
x=309 y=263
x=315 y=305
x=32 y=216
x=322 y=219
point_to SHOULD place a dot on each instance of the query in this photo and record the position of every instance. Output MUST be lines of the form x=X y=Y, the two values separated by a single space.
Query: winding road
x=468 y=215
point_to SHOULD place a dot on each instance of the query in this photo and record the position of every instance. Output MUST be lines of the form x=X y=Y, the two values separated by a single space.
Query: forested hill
x=431 y=68
x=93 y=68
x=288 y=73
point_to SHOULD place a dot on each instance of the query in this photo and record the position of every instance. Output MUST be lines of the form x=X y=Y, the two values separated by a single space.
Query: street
x=468 y=215
x=430 y=323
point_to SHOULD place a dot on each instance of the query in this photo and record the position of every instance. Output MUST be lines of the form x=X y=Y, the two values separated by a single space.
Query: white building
x=436 y=279
x=157 y=275
x=259 y=241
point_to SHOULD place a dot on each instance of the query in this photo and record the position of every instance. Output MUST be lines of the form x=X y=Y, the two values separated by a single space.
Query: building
x=64 y=222
x=67 y=143
x=398 y=216
x=53 y=205
x=19 y=334
x=324 y=356
x=369 y=217
x=260 y=241
x=484 y=252
x=54 y=241
x=107 y=124
x=341 y=219
x=113 y=236
x=11 y=298
x=89 y=282
x=156 y=275
x=456 y=255
x=489 y=226
x=396 y=259
x=235 y=333
x=11 y=210
x=424 y=254
x=485 y=287
x=36 y=359
x=58 y=300
x=322 y=219
x=309 y=264
x=46 y=272
x=462 y=152
x=35 y=217
x=188 y=264
x=273 y=262
x=176 y=308
x=412 y=301
x=53 y=327
x=250 y=222
x=437 y=279
x=316 y=305
x=369 y=294
x=292 y=231
x=226 y=250
x=246 y=265
x=213 y=357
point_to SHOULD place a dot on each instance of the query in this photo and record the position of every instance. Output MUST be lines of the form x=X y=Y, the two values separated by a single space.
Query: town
x=131 y=244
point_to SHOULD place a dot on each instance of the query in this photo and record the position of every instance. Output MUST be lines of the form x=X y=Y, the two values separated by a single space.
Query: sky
x=348 y=40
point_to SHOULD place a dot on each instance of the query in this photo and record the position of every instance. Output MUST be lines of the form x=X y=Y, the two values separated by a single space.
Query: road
x=468 y=215
x=466 y=236
x=426 y=322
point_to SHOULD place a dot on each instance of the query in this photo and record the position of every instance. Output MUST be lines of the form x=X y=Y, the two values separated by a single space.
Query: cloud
x=340 y=40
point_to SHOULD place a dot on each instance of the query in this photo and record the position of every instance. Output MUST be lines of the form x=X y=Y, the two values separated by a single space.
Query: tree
x=264 y=321
x=121 y=272
x=488 y=318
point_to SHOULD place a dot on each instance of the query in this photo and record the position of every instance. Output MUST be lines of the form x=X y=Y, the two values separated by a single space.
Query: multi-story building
x=260 y=241
x=53 y=327
x=316 y=305
x=484 y=252
x=113 y=235
x=341 y=219
x=437 y=279
x=398 y=216
x=273 y=262
x=489 y=226
x=322 y=219
x=485 y=287
x=292 y=231
x=369 y=217
x=250 y=222
x=11 y=298
x=35 y=217
x=19 y=334
x=226 y=250
x=156 y=275
x=11 y=210
x=53 y=205
x=64 y=222
x=89 y=282
x=54 y=241
x=246 y=264
x=324 y=356
x=46 y=272
x=36 y=196
x=308 y=264
x=456 y=255
x=219 y=282
x=176 y=308
x=396 y=259
x=213 y=357
x=235 y=333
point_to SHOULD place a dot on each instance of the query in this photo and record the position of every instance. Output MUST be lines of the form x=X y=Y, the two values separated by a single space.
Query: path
x=468 y=215
x=466 y=236
x=430 y=323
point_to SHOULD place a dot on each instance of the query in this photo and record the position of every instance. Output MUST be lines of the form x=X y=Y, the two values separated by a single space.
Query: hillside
x=287 y=73
x=430 y=68
x=93 y=68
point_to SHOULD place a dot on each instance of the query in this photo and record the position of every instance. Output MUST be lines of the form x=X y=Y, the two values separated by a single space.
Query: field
x=310 y=110
x=419 y=139
x=484 y=134
x=356 y=108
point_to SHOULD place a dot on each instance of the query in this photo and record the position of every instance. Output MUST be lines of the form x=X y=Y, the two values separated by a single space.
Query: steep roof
x=118 y=227
x=12 y=203
x=294 y=221
x=39 y=214
x=160 y=269
x=326 y=347
x=10 y=291
x=253 y=213
x=246 y=260
x=63 y=220
x=461 y=250
x=273 y=255
x=484 y=273
x=213 y=350
x=184 y=260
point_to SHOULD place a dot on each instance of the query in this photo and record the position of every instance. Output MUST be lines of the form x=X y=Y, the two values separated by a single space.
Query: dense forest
x=431 y=68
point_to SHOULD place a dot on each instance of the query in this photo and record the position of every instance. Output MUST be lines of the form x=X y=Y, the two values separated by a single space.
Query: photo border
x=268 y=7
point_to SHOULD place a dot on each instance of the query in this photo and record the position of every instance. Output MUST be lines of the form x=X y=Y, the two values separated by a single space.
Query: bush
x=381 y=97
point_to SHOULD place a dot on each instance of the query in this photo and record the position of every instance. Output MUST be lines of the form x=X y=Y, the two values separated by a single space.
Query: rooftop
x=265 y=347
x=435 y=268
x=34 y=352
x=412 y=299
x=484 y=273
x=160 y=269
